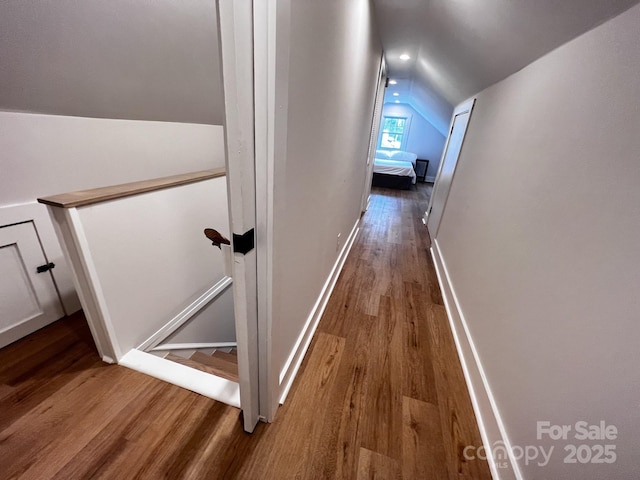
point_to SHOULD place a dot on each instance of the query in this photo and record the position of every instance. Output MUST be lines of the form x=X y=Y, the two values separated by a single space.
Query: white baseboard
x=490 y=423
x=188 y=312
x=219 y=389
x=290 y=369
x=429 y=179
x=193 y=346
x=15 y=332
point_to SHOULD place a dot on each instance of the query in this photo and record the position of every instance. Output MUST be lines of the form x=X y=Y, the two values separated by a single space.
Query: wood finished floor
x=380 y=393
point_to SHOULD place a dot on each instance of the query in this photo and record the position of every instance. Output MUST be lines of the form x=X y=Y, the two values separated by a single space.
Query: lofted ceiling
x=460 y=47
x=158 y=60
x=125 y=59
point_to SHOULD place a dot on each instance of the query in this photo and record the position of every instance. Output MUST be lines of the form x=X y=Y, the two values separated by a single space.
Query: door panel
x=447 y=169
x=236 y=44
x=19 y=301
x=28 y=300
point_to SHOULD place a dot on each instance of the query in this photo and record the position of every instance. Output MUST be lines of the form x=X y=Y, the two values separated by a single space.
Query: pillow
x=383 y=153
x=404 y=156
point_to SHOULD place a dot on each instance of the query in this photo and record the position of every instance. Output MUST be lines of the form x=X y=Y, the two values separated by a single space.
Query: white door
x=235 y=19
x=28 y=300
x=375 y=128
x=442 y=185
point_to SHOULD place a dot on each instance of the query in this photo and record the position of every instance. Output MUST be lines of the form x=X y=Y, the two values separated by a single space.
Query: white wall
x=49 y=154
x=149 y=62
x=432 y=106
x=123 y=59
x=152 y=259
x=141 y=60
x=541 y=236
x=214 y=323
x=423 y=138
x=318 y=185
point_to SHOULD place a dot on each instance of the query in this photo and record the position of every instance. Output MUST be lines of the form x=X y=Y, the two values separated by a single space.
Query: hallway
x=380 y=394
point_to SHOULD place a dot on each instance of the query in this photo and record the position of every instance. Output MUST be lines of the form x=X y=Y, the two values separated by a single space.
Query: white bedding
x=394 y=167
x=397 y=155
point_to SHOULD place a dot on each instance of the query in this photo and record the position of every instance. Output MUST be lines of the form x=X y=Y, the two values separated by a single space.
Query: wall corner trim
x=290 y=369
x=490 y=423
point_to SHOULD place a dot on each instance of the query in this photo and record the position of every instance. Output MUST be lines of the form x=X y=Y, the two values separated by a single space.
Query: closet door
x=28 y=299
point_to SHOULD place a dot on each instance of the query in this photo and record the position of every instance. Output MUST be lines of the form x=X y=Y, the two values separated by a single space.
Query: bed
x=394 y=169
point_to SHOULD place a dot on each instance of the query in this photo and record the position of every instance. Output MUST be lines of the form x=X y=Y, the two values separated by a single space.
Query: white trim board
x=490 y=423
x=290 y=369
x=271 y=22
x=192 y=346
x=20 y=330
x=210 y=386
x=188 y=312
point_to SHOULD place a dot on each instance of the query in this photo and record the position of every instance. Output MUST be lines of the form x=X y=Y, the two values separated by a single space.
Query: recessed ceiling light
x=396 y=94
x=392 y=82
x=404 y=56
x=397 y=101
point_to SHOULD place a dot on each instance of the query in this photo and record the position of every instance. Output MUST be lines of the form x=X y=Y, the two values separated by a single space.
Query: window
x=393 y=133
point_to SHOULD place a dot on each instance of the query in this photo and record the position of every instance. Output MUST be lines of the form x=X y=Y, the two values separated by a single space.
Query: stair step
x=229 y=357
x=191 y=363
x=219 y=366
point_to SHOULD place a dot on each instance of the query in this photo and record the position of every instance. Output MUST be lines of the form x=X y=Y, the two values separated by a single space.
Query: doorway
x=444 y=178
x=375 y=128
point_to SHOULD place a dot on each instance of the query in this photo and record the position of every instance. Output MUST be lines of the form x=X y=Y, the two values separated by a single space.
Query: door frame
x=375 y=132
x=272 y=33
x=235 y=35
x=464 y=107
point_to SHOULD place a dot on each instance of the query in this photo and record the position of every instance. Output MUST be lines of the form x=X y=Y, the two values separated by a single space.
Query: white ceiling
x=460 y=47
